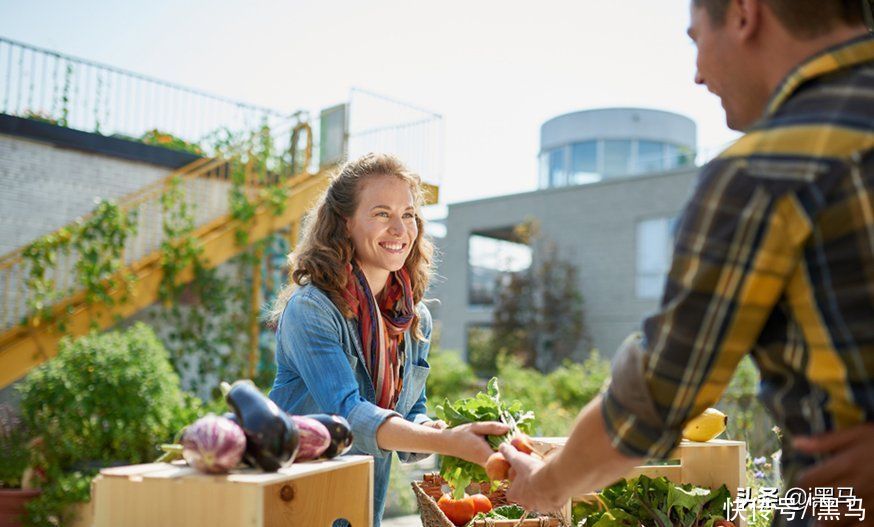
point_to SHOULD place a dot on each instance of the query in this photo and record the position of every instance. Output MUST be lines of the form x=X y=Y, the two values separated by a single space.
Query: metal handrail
x=83 y=94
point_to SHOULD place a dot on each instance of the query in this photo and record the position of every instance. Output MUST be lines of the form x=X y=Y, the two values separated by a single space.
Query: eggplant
x=314 y=438
x=341 y=434
x=213 y=444
x=249 y=454
x=272 y=439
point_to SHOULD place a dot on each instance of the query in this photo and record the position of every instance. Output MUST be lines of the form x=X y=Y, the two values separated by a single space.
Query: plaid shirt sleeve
x=737 y=244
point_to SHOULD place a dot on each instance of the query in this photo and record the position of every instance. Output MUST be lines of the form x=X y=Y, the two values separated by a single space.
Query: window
x=557 y=170
x=654 y=250
x=617 y=157
x=543 y=170
x=489 y=259
x=650 y=156
x=584 y=163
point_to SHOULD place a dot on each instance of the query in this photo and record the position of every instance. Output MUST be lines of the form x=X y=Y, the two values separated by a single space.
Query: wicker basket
x=429 y=490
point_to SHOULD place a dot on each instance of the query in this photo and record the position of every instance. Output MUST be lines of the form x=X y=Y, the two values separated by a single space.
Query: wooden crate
x=312 y=494
x=709 y=464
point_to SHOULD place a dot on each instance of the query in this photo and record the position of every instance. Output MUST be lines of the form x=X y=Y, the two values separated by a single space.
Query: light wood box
x=709 y=464
x=311 y=494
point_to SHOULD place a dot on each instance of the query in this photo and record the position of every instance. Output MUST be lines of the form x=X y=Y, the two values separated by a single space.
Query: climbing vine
x=99 y=242
x=41 y=256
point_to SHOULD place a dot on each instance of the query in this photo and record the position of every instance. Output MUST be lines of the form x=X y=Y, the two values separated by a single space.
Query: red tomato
x=460 y=511
x=481 y=503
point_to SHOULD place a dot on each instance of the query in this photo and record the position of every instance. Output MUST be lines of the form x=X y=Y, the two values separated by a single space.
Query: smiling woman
x=352 y=331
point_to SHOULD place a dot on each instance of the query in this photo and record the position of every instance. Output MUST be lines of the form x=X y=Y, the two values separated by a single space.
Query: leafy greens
x=653 y=503
x=486 y=406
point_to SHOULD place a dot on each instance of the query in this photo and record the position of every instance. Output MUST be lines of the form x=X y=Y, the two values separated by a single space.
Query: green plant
x=400 y=501
x=654 y=501
x=748 y=419
x=559 y=396
x=40 y=117
x=65 y=97
x=41 y=256
x=450 y=377
x=99 y=242
x=104 y=400
x=156 y=137
x=14 y=437
x=538 y=313
x=484 y=406
x=207 y=318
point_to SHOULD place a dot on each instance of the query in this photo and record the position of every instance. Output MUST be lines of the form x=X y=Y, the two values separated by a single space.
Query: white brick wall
x=44 y=187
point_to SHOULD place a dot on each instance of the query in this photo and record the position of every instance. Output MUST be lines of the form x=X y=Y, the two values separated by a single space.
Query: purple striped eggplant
x=314 y=438
x=213 y=444
x=341 y=434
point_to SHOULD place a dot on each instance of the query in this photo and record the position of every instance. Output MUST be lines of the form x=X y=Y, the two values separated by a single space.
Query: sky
x=495 y=70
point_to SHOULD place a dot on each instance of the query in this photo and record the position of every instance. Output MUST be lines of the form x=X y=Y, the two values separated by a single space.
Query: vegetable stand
x=304 y=494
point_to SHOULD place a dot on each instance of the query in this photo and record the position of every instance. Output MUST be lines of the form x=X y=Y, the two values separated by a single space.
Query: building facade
x=612 y=183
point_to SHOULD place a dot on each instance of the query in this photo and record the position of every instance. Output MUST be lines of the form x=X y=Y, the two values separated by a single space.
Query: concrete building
x=612 y=182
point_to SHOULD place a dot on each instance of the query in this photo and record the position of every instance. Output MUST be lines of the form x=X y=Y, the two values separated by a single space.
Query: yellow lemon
x=706 y=426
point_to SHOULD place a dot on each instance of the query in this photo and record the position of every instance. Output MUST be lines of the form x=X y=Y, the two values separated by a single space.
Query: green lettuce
x=652 y=503
x=486 y=406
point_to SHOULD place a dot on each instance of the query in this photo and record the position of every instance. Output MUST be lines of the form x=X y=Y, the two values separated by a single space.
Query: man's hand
x=849 y=465
x=528 y=487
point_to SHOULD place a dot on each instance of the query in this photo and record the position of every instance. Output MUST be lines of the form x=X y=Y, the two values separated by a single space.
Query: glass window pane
x=489 y=259
x=584 y=163
x=654 y=248
x=650 y=156
x=617 y=157
x=543 y=172
x=557 y=171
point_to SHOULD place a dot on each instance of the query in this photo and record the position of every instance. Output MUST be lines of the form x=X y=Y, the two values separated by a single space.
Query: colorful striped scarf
x=382 y=330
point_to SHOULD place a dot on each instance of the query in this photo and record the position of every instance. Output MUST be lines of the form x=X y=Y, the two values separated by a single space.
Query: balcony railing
x=82 y=94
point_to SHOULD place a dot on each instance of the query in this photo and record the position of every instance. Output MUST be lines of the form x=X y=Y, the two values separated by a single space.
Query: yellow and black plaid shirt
x=774 y=256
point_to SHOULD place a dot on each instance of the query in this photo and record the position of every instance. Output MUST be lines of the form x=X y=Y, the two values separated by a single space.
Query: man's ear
x=744 y=18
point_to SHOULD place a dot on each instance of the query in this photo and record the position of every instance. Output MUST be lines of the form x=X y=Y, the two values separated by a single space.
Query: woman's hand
x=439 y=424
x=468 y=442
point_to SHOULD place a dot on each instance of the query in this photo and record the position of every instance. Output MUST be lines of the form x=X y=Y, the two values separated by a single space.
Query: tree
x=538 y=315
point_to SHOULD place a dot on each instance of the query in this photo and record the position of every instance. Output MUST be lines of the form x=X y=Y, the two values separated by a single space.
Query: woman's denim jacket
x=320 y=369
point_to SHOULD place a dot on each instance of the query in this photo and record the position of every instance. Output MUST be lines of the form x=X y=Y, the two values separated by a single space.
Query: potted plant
x=14 y=440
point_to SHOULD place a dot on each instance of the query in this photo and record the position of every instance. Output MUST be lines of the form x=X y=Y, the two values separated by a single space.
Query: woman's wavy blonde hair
x=325 y=248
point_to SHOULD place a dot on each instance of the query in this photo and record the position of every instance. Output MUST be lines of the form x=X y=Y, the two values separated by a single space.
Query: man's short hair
x=802 y=18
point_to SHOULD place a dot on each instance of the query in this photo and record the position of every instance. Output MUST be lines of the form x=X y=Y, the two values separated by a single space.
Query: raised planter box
x=304 y=494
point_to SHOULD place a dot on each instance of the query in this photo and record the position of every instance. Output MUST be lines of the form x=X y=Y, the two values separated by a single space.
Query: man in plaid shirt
x=774 y=257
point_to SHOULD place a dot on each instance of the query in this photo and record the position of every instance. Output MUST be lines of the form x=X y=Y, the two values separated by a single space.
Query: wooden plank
x=297 y=470
x=150 y=501
x=134 y=470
